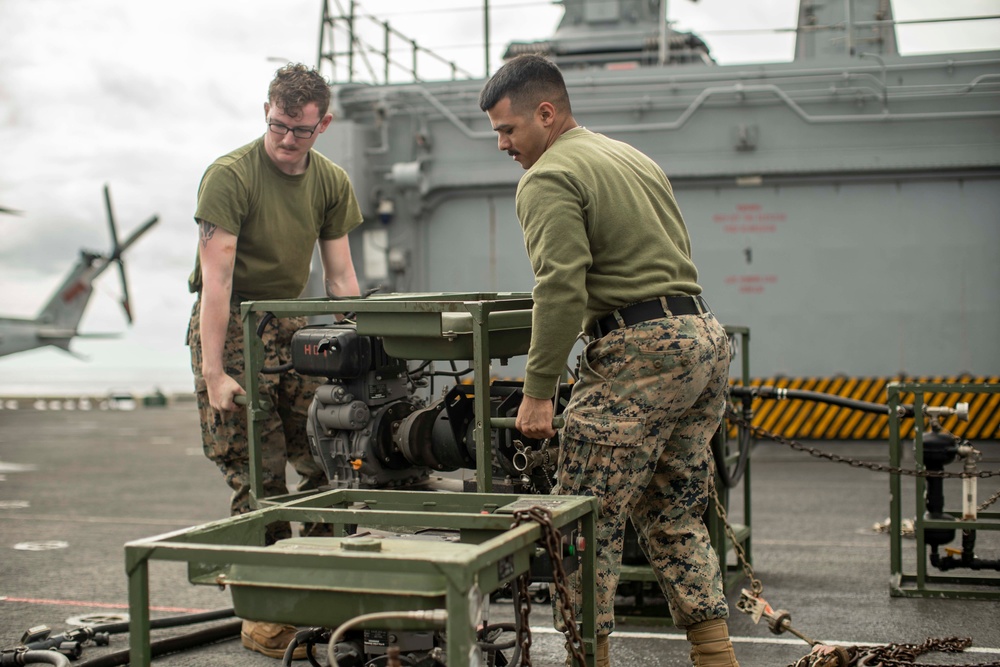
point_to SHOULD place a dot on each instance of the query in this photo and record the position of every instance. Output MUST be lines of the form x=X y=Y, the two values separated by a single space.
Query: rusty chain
x=755 y=585
x=890 y=655
x=989 y=501
x=893 y=655
x=553 y=547
x=854 y=463
x=523 y=604
x=827 y=659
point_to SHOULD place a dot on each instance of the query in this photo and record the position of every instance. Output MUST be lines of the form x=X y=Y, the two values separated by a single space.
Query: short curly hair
x=295 y=86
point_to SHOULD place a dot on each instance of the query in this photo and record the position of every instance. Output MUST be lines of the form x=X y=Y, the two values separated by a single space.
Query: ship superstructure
x=843 y=205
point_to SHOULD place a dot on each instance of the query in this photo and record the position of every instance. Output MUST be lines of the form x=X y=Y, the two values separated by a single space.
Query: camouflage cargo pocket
x=601 y=428
x=602 y=455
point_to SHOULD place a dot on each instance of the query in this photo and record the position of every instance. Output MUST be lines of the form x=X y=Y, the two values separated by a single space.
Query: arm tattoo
x=207 y=232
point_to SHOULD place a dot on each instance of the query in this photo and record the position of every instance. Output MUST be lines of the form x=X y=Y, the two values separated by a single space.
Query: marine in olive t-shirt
x=277 y=218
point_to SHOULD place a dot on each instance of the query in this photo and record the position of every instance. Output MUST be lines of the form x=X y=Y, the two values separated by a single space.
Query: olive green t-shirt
x=602 y=230
x=276 y=217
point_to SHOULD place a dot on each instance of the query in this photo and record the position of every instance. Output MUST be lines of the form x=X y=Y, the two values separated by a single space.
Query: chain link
x=553 y=547
x=989 y=501
x=755 y=585
x=890 y=655
x=893 y=655
x=854 y=463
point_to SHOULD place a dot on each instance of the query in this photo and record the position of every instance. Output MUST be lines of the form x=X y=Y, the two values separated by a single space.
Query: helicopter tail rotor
x=118 y=248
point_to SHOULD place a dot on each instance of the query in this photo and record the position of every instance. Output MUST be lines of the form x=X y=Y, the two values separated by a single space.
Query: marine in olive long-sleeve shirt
x=603 y=232
x=590 y=253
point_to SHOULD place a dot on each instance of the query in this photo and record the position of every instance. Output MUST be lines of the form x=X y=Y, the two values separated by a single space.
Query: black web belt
x=649 y=310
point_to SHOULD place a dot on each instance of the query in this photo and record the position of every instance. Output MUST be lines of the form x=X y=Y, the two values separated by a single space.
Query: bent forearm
x=345 y=284
x=339 y=276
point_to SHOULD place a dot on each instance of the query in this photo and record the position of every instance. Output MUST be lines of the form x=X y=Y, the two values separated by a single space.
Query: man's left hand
x=534 y=418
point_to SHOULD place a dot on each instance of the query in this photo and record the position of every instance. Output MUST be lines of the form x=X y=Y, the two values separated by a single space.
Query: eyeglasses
x=297 y=132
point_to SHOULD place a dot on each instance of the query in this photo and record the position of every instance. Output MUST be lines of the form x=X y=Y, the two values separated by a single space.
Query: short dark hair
x=528 y=80
x=295 y=86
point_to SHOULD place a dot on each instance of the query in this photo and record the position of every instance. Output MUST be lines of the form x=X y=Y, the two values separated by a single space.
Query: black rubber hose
x=90 y=631
x=308 y=638
x=729 y=478
x=283 y=368
x=264 y=321
x=172 y=644
x=168 y=621
x=492 y=646
x=780 y=393
x=516 y=657
x=41 y=658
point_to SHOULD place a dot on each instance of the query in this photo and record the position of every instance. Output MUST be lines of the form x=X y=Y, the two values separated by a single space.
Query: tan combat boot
x=710 y=645
x=601 y=657
x=271 y=639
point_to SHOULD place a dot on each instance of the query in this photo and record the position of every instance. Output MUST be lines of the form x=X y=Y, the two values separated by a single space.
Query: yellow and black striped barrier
x=813 y=420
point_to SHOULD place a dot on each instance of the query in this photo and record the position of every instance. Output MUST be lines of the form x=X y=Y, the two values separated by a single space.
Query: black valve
x=940 y=449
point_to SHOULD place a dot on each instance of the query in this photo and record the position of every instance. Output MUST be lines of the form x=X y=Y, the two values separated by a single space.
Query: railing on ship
x=343 y=28
x=343 y=48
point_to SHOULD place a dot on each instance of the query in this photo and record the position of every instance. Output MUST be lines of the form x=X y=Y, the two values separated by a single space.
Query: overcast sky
x=143 y=96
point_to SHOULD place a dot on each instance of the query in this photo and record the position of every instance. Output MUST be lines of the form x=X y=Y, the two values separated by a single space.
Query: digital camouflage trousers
x=638 y=437
x=282 y=435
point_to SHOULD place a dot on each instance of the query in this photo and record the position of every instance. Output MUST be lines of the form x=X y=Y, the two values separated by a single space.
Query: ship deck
x=97 y=479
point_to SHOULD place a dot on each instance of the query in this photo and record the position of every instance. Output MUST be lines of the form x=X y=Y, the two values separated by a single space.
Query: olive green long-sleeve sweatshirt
x=602 y=230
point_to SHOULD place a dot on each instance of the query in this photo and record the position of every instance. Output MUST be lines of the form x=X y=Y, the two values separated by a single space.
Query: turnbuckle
x=780 y=621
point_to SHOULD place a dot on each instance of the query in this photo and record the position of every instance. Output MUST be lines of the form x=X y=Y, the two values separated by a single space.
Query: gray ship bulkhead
x=842 y=207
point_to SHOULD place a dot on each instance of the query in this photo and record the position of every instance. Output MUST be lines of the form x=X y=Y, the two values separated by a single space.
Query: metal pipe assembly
x=934 y=448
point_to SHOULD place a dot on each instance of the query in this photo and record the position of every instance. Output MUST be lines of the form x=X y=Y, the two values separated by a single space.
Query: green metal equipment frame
x=733 y=572
x=329 y=581
x=437 y=326
x=919 y=582
x=477 y=327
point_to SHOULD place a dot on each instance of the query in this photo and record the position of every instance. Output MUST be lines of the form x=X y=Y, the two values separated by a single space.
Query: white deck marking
x=752 y=640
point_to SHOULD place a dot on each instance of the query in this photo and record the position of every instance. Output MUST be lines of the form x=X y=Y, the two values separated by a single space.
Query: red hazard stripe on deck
x=98 y=605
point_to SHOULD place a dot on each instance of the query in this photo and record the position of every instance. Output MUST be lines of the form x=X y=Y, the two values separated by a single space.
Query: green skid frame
x=302 y=580
x=324 y=582
x=920 y=582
